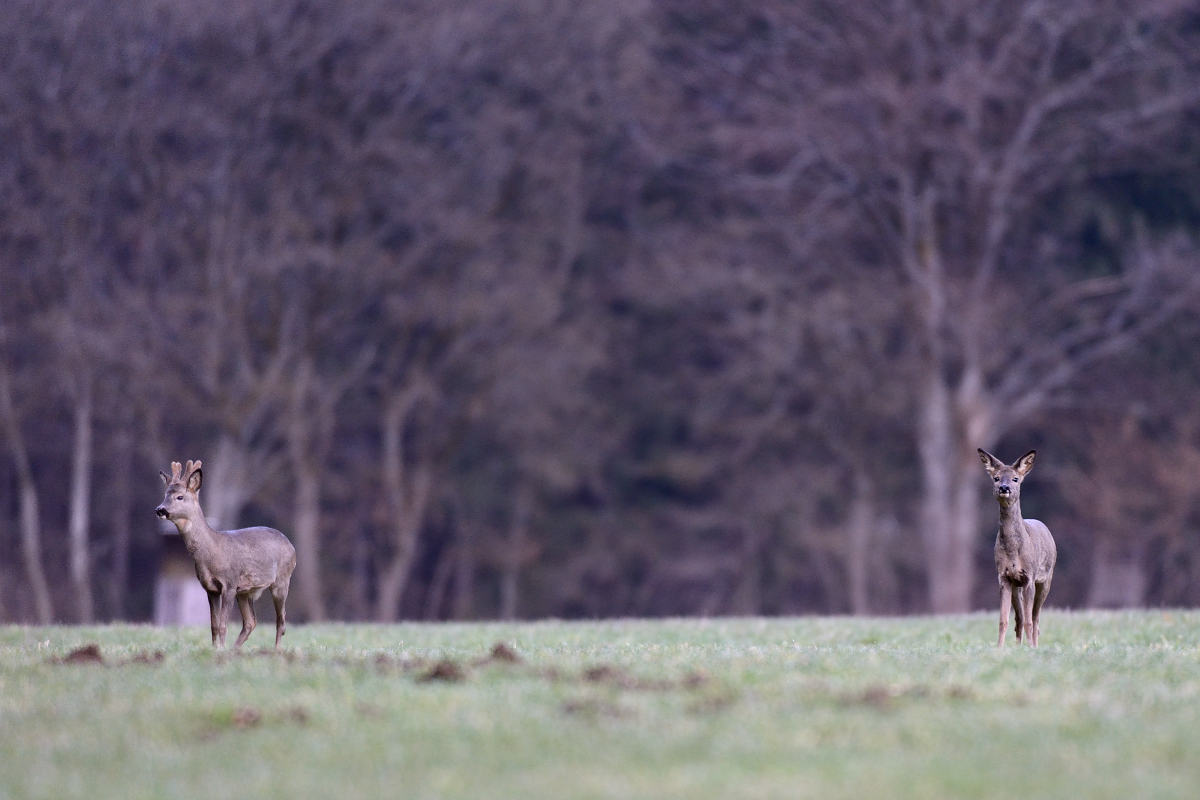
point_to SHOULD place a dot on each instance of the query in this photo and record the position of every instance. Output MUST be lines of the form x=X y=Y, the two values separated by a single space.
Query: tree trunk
x=859 y=529
x=311 y=420
x=947 y=537
x=80 y=512
x=464 y=581
x=307 y=508
x=509 y=590
x=965 y=531
x=119 y=519
x=31 y=535
x=227 y=482
x=937 y=459
x=31 y=542
x=515 y=555
x=1118 y=580
x=951 y=430
x=408 y=517
x=361 y=573
x=949 y=503
x=407 y=499
x=435 y=596
x=307 y=533
x=747 y=594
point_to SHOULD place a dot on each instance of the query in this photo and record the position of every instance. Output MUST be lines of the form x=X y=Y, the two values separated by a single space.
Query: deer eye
x=995 y=477
x=180 y=497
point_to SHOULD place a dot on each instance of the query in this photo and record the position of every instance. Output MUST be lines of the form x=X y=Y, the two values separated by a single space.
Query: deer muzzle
x=161 y=512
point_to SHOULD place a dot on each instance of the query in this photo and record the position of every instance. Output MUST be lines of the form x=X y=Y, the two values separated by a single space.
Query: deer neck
x=1012 y=524
x=199 y=538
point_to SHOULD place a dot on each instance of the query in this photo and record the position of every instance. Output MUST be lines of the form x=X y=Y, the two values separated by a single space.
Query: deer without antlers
x=1025 y=551
x=229 y=564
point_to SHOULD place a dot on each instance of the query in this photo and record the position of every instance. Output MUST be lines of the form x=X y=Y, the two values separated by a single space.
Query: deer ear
x=166 y=478
x=990 y=462
x=1025 y=463
x=194 y=478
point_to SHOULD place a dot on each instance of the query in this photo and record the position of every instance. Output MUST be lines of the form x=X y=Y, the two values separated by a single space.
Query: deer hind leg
x=1005 y=599
x=1021 y=611
x=249 y=623
x=279 y=593
x=1027 y=609
x=1039 y=597
x=214 y=614
x=225 y=607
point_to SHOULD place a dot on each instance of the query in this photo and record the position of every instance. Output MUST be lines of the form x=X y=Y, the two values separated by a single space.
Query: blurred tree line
x=635 y=307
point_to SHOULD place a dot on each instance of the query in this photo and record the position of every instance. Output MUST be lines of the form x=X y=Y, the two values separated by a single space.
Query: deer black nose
x=160 y=511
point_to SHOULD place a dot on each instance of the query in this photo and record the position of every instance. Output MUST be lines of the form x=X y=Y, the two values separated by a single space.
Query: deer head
x=1006 y=480
x=183 y=492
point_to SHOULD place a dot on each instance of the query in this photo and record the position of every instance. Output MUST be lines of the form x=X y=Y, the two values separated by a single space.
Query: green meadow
x=821 y=707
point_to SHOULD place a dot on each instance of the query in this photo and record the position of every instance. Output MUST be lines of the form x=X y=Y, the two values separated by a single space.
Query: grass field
x=1108 y=707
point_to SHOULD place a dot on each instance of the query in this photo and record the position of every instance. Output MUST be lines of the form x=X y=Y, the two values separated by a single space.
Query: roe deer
x=229 y=564
x=1025 y=552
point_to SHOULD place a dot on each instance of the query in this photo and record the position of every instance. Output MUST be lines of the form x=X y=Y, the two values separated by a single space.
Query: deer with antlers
x=237 y=564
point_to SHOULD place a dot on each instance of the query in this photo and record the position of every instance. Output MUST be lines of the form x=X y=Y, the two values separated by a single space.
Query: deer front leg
x=1016 y=607
x=1005 y=601
x=214 y=614
x=249 y=623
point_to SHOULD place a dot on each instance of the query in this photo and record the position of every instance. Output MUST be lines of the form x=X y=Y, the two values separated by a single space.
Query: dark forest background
x=618 y=307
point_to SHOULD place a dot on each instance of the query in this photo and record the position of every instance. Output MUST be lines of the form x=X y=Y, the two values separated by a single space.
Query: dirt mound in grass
x=246 y=717
x=445 y=670
x=504 y=653
x=88 y=654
